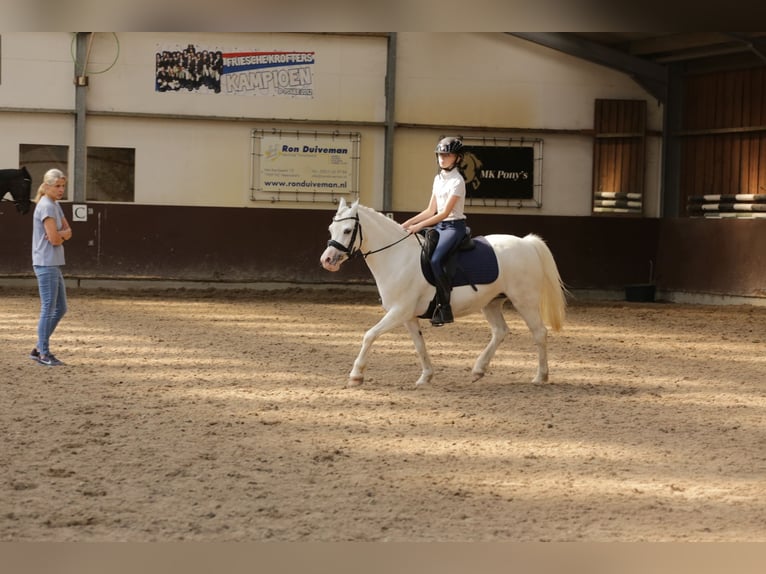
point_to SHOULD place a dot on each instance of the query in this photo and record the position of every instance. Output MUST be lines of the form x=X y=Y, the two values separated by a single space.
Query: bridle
x=18 y=202
x=351 y=250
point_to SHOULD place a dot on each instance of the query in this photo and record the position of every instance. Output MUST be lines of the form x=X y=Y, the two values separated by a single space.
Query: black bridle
x=351 y=250
x=18 y=184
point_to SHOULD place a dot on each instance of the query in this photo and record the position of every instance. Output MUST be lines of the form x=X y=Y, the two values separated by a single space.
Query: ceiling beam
x=756 y=45
x=652 y=77
x=678 y=42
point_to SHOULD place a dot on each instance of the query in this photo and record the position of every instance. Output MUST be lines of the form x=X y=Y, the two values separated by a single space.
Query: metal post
x=670 y=192
x=388 y=159
x=81 y=85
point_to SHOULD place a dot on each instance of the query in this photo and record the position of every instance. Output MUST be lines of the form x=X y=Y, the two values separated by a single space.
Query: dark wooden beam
x=652 y=77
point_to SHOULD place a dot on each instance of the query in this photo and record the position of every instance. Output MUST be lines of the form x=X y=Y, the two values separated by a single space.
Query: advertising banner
x=304 y=164
x=499 y=172
x=252 y=73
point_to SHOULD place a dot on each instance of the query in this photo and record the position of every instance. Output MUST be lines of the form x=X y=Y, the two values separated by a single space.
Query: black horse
x=18 y=183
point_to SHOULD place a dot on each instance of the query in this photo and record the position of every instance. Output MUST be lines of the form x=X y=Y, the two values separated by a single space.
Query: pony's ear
x=341 y=204
x=356 y=203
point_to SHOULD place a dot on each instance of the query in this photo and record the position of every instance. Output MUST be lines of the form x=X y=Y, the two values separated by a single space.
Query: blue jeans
x=53 y=305
x=450 y=234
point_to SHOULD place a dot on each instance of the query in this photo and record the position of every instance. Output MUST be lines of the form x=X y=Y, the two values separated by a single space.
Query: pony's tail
x=553 y=299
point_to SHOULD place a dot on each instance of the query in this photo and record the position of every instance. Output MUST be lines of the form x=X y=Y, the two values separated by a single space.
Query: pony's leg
x=531 y=315
x=493 y=312
x=389 y=321
x=413 y=326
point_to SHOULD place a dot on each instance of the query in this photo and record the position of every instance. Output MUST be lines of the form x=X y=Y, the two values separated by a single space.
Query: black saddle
x=430 y=239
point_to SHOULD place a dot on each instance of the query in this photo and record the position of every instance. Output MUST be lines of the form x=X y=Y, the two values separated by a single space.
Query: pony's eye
x=346 y=231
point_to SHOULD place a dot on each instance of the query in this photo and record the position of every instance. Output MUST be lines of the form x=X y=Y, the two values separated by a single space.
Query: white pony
x=528 y=276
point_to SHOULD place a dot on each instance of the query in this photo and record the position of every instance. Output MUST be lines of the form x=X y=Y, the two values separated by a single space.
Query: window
x=619 y=156
x=110 y=171
x=111 y=174
x=40 y=158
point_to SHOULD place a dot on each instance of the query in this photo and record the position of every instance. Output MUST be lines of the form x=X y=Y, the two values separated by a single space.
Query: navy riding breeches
x=450 y=234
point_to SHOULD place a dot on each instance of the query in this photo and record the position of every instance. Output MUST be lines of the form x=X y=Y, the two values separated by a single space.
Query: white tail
x=553 y=298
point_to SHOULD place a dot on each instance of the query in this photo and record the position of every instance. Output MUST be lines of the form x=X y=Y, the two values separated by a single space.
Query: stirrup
x=442 y=315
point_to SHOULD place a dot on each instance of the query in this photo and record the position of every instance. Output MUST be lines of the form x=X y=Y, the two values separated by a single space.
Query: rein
x=350 y=250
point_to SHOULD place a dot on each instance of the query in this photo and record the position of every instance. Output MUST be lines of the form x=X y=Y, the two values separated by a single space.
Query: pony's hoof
x=476 y=376
x=424 y=380
x=354 y=382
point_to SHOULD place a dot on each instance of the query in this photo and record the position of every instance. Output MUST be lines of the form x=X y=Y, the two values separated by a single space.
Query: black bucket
x=643 y=293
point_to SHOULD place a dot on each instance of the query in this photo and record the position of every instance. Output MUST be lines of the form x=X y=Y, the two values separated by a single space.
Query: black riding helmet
x=450 y=145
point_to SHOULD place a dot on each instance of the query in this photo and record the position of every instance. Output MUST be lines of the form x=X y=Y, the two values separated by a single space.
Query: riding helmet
x=449 y=145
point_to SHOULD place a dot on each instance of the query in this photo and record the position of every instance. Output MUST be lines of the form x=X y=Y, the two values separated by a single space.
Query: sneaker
x=49 y=360
x=35 y=354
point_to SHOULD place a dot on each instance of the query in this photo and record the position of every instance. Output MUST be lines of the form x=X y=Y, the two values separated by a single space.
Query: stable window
x=110 y=171
x=40 y=158
x=619 y=157
x=111 y=174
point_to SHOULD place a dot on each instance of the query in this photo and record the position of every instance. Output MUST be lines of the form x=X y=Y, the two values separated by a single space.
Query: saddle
x=471 y=262
x=451 y=265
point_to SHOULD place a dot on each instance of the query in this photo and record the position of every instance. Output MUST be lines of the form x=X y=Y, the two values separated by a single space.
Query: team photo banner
x=252 y=73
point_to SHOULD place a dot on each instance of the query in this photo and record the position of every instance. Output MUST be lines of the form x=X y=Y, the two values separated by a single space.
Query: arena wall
x=195 y=148
x=680 y=256
x=193 y=217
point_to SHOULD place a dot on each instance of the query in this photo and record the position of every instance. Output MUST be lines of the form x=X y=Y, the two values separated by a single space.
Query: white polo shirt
x=447 y=184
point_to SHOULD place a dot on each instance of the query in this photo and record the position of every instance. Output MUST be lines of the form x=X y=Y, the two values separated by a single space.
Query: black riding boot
x=443 y=313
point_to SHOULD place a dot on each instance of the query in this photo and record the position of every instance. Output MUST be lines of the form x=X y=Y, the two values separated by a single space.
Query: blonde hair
x=50 y=178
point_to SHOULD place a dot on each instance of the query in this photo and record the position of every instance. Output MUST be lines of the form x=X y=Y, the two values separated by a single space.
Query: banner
x=498 y=172
x=200 y=70
x=304 y=165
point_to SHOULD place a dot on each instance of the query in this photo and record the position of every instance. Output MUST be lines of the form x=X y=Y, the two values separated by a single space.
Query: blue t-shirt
x=43 y=253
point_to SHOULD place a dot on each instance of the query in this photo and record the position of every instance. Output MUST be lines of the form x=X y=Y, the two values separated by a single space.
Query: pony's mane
x=374 y=213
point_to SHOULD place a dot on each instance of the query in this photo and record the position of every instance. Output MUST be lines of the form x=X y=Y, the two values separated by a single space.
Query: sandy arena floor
x=217 y=416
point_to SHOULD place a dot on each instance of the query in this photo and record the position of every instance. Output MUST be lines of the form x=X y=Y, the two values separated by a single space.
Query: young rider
x=445 y=214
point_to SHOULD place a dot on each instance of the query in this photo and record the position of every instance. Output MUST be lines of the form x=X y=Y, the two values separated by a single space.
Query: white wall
x=37 y=70
x=204 y=163
x=349 y=76
x=493 y=80
x=476 y=82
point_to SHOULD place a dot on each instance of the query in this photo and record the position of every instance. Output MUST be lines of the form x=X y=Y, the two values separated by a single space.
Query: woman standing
x=49 y=231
